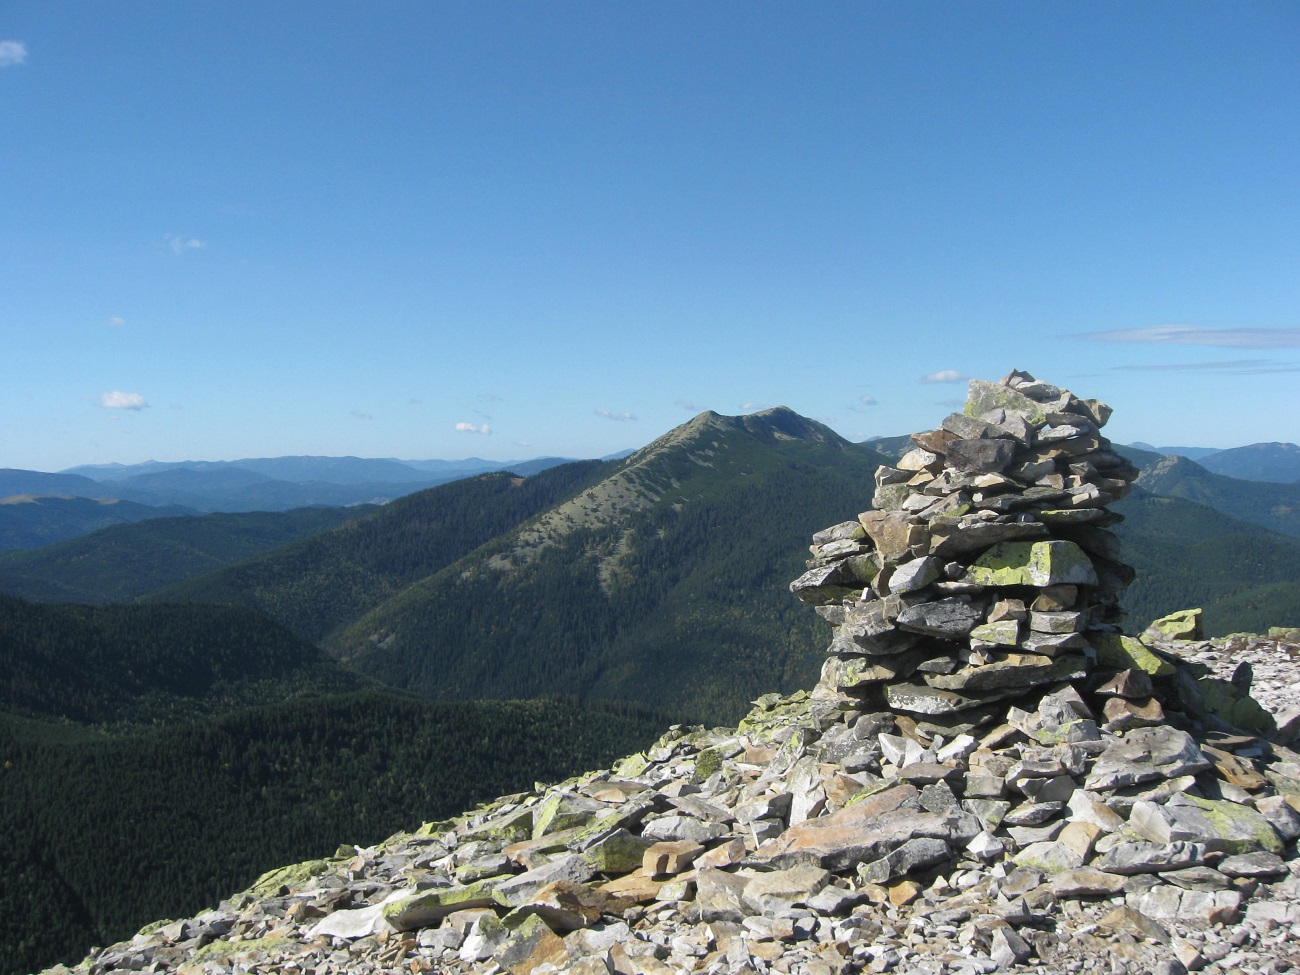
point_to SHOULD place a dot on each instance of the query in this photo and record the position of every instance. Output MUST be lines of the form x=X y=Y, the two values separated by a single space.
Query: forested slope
x=146 y=664
x=121 y=563
x=100 y=834
x=666 y=582
x=1274 y=506
x=1187 y=554
x=330 y=579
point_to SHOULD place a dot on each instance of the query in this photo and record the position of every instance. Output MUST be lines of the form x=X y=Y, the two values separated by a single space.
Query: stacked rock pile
x=984 y=567
x=1095 y=805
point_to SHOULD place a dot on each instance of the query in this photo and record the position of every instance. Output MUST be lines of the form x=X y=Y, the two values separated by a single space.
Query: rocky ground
x=739 y=851
x=1274 y=665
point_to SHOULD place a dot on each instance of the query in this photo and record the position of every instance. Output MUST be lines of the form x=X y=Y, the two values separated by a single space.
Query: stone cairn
x=988 y=777
x=985 y=569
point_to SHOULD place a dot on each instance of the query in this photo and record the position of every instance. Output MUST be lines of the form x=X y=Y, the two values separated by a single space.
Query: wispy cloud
x=752 y=407
x=623 y=417
x=490 y=397
x=1231 y=338
x=944 y=376
x=12 y=53
x=178 y=244
x=115 y=320
x=472 y=428
x=118 y=400
x=1231 y=367
x=868 y=400
x=690 y=405
x=361 y=416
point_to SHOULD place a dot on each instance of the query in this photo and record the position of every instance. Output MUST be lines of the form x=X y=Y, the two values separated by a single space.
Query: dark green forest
x=150 y=664
x=121 y=563
x=1188 y=554
x=101 y=833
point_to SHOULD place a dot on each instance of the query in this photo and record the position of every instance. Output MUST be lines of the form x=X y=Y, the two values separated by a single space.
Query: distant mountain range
x=1276 y=462
x=155 y=489
x=82 y=499
x=1273 y=505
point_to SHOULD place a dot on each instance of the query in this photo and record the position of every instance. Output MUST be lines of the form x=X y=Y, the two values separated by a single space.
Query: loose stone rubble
x=989 y=776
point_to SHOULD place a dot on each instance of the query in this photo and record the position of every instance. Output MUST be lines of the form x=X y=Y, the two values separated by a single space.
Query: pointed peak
x=768 y=425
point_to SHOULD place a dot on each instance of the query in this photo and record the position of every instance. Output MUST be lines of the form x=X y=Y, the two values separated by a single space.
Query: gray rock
x=915 y=853
x=1146 y=755
x=520 y=889
x=916 y=574
x=1130 y=858
x=719 y=896
x=980 y=454
x=946 y=618
x=775 y=894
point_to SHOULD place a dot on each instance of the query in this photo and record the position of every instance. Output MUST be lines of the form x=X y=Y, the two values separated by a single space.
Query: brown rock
x=530 y=946
x=670 y=857
x=1122 y=714
x=566 y=906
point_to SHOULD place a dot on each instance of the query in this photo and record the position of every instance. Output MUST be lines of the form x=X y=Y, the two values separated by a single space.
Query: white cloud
x=1233 y=367
x=471 y=428
x=620 y=417
x=361 y=416
x=868 y=400
x=179 y=245
x=115 y=320
x=11 y=53
x=944 y=376
x=1233 y=338
x=689 y=405
x=752 y=407
x=118 y=400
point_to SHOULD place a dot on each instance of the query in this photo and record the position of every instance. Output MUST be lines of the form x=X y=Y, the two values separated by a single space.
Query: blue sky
x=421 y=229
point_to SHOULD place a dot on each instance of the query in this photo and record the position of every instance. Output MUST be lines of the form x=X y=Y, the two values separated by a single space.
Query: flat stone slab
x=866 y=830
x=1147 y=755
x=923 y=699
x=1046 y=563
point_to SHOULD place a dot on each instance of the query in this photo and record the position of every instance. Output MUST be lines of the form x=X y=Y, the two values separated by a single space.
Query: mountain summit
x=639 y=585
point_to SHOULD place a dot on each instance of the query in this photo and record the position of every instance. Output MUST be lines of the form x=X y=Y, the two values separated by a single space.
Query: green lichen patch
x=1128 y=653
x=1046 y=563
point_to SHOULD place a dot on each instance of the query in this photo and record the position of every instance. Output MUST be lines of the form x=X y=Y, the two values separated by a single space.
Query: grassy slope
x=328 y=580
